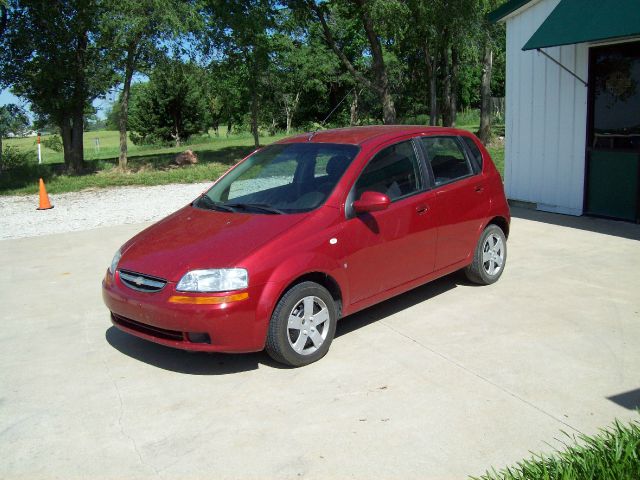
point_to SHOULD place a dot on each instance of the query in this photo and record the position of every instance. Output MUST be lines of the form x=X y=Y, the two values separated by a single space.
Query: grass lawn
x=613 y=454
x=149 y=165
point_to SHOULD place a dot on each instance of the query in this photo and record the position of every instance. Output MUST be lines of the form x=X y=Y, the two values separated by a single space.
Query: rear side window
x=394 y=171
x=475 y=153
x=447 y=159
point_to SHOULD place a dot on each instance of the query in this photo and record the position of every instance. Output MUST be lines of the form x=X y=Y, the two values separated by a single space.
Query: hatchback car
x=309 y=230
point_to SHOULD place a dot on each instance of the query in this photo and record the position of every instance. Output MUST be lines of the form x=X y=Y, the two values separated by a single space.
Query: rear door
x=388 y=248
x=461 y=196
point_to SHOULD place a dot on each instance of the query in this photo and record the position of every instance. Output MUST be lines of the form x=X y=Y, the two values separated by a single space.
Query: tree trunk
x=379 y=69
x=484 y=133
x=176 y=131
x=388 y=108
x=288 y=111
x=353 y=119
x=65 y=133
x=446 y=87
x=124 y=106
x=254 y=115
x=381 y=84
x=77 y=141
x=289 y=115
x=229 y=126
x=290 y=107
x=433 y=86
x=453 y=98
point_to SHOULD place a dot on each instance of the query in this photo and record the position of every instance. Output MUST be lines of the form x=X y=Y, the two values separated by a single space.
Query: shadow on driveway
x=202 y=363
x=180 y=361
x=617 y=228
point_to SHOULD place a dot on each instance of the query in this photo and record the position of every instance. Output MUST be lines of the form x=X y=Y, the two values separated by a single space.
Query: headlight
x=218 y=280
x=114 y=262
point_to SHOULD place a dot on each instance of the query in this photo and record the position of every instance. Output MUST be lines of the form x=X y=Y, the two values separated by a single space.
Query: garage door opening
x=613 y=148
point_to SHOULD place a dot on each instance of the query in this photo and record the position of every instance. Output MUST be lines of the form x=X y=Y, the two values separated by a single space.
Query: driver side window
x=393 y=171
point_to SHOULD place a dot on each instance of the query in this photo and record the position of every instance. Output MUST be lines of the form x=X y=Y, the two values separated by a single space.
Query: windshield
x=282 y=178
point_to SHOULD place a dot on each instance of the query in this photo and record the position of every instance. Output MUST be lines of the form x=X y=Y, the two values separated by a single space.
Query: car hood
x=192 y=238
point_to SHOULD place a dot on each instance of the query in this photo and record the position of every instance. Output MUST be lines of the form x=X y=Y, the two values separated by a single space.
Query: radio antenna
x=312 y=134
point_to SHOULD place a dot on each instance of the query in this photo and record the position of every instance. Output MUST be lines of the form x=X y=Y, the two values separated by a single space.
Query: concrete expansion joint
x=482 y=378
x=121 y=425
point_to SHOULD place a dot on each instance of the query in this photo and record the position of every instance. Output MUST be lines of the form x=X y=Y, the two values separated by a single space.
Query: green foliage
x=13 y=119
x=263 y=66
x=13 y=158
x=50 y=56
x=614 y=454
x=52 y=142
x=112 y=120
x=170 y=107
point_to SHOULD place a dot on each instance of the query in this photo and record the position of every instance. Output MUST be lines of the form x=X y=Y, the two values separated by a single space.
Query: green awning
x=577 y=21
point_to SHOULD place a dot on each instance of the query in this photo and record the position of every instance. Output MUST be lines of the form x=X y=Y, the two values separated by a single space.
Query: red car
x=309 y=230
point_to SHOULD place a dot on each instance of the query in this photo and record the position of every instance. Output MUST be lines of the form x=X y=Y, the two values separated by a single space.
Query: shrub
x=13 y=157
x=53 y=142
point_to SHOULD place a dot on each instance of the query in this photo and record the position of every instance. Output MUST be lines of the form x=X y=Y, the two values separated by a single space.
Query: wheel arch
x=502 y=223
x=323 y=279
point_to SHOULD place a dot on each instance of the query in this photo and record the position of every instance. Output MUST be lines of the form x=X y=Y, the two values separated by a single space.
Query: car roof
x=362 y=135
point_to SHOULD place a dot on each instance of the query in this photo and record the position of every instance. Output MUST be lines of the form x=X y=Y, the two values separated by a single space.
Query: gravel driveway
x=92 y=208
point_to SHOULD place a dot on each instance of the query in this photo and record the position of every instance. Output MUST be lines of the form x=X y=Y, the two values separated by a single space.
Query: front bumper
x=238 y=326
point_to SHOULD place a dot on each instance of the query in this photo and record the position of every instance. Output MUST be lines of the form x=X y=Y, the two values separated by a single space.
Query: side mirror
x=371 y=202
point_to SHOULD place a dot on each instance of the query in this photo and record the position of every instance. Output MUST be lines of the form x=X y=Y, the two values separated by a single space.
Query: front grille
x=142 y=282
x=148 y=329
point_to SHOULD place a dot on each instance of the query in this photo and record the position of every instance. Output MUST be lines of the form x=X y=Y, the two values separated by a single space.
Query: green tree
x=382 y=21
x=489 y=41
x=13 y=119
x=227 y=92
x=171 y=106
x=112 y=122
x=240 y=29
x=300 y=65
x=60 y=70
x=134 y=32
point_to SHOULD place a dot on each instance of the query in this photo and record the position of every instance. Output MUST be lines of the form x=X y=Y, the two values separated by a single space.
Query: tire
x=490 y=257
x=302 y=325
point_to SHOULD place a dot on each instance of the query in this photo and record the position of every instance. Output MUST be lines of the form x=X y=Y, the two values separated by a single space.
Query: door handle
x=479 y=188
x=422 y=209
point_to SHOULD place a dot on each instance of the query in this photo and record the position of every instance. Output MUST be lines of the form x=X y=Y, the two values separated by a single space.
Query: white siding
x=546 y=118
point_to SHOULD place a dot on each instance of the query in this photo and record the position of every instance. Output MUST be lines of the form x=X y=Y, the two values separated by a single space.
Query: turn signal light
x=208 y=300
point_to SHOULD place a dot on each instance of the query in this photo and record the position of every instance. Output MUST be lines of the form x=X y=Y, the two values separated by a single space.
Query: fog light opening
x=196 y=337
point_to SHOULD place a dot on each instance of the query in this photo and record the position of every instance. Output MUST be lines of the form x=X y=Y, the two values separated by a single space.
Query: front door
x=613 y=150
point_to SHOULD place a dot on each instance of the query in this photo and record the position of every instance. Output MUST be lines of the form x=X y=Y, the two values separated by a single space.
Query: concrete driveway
x=442 y=382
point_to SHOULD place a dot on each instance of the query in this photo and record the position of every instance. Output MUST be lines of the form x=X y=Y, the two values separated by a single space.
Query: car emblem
x=139 y=281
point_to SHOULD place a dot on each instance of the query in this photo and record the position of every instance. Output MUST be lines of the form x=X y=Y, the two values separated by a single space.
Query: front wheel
x=302 y=325
x=489 y=258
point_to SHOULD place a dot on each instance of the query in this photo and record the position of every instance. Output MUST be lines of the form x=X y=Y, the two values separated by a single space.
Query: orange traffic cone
x=45 y=204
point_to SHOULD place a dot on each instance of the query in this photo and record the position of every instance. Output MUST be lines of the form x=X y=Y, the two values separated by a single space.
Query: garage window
x=447 y=159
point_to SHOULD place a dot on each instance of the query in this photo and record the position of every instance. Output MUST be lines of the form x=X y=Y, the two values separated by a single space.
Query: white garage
x=573 y=105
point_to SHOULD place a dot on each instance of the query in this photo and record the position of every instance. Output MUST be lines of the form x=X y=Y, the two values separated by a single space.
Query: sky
x=101 y=104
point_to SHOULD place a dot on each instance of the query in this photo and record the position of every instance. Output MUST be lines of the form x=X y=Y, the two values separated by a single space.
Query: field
x=148 y=165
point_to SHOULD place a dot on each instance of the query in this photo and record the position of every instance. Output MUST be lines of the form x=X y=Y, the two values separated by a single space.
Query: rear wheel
x=302 y=325
x=489 y=258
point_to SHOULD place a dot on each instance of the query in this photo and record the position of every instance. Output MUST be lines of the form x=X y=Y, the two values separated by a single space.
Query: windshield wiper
x=255 y=206
x=204 y=201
